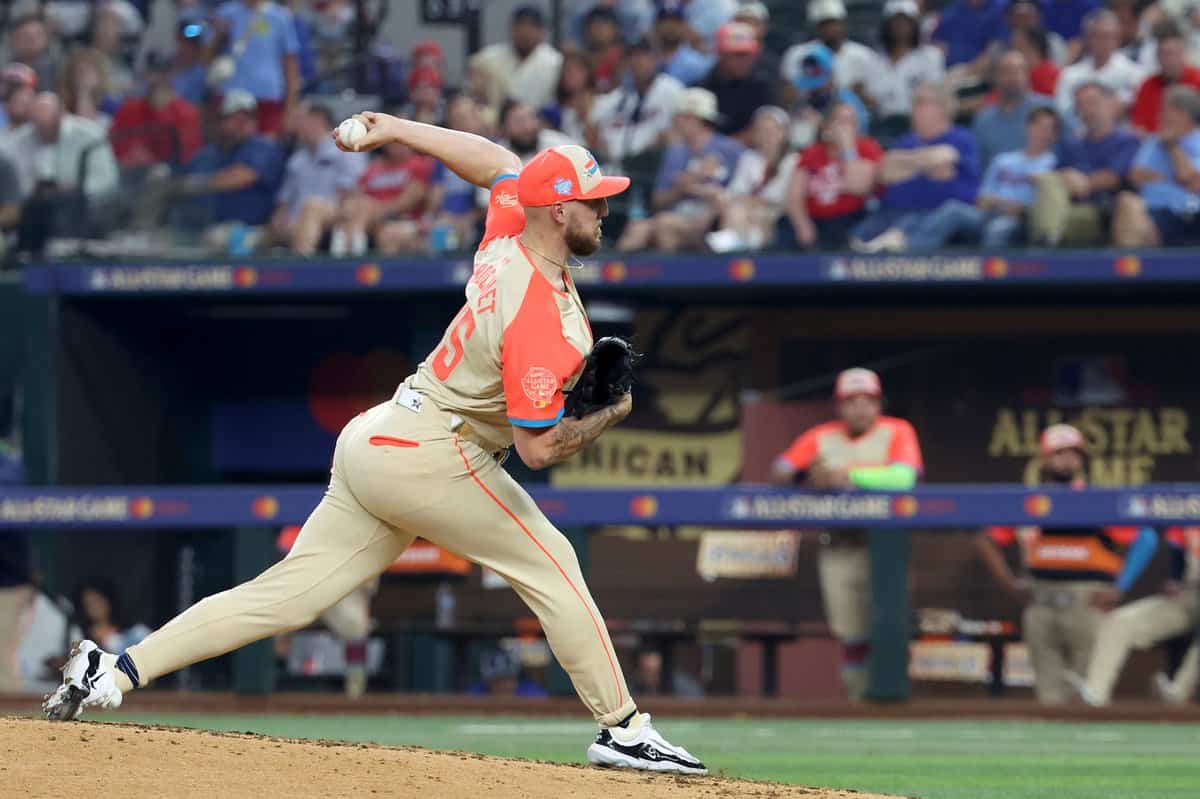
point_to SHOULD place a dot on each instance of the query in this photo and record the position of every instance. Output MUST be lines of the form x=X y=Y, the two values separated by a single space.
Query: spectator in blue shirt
x=189 y=70
x=689 y=186
x=1075 y=201
x=238 y=175
x=1001 y=126
x=966 y=29
x=258 y=40
x=1166 y=172
x=997 y=218
x=679 y=59
x=316 y=179
x=935 y=163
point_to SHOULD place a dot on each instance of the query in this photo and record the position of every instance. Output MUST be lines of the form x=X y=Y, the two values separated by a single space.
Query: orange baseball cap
x=736 y=37
x=1062 y=436
x=567 y=172
x=853 y=382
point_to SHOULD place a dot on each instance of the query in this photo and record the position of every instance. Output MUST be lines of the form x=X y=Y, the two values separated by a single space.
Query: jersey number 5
x=450 y=354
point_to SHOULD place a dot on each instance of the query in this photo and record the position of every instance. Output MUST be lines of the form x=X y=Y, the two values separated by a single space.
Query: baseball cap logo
x=566 y=172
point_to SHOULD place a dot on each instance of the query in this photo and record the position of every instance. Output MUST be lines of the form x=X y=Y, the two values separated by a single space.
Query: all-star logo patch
x=564 y=186
x=539 y=385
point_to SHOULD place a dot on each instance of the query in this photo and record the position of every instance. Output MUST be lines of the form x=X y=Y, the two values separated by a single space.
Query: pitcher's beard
x=582 y=243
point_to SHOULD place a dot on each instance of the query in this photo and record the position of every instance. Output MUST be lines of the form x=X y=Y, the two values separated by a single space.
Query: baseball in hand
x=351 y=132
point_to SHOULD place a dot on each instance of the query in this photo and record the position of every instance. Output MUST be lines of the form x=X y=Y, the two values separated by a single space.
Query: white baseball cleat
x=1079 y=684
x=88 y=681
x=1166 y=689
x=640 y=746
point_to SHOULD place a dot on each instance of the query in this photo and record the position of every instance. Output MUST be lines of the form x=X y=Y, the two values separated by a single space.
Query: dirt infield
x=40 y=759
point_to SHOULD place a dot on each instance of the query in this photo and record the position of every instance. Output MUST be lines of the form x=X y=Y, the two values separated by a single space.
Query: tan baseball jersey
x=518 y=342
x=889 y=440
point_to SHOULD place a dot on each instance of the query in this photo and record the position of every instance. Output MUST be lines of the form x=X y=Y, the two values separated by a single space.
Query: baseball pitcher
x=1174 y=611
x=427 y=462
x=1075 y=574
x=863 y=450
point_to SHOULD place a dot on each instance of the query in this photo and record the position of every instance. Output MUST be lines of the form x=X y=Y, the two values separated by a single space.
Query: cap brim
x=607 y=187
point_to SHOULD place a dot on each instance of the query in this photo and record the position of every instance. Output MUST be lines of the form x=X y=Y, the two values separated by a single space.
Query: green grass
x=928 y=759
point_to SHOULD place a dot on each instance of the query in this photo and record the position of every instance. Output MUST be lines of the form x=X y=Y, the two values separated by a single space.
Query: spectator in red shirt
x=833 y=179
x=392 y=195
x=1173 y=68
x=160 y=127
x=1035 y=46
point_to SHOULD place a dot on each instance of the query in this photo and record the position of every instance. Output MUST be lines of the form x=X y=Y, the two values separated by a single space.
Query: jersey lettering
x=450 y=354
x=485 y=280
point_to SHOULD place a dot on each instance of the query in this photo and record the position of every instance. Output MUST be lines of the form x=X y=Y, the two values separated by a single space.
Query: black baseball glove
x=607 y=376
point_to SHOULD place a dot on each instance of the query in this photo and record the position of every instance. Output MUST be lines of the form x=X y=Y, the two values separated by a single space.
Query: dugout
x=213 y=374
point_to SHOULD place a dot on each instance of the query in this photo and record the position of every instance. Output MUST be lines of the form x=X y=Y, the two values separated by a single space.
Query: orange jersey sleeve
x=535 y=359
x=803 y=450
x=904 y=447
x=505 y=217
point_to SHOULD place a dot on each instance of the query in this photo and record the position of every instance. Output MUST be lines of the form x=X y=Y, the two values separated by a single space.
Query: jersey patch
x=539 y=385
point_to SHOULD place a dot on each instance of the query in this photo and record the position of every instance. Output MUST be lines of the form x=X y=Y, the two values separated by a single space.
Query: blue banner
x=281 y=276
x=739 y=507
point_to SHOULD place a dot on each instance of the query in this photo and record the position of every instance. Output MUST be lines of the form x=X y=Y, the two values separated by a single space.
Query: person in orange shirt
x=865 y=450
x=1075 y=575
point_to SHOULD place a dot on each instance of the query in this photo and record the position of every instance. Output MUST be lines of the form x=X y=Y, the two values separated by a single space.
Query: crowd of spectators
x=992 y=123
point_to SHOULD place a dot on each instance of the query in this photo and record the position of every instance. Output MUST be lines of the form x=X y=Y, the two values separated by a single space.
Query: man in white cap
x=694 y=171
x=855 y=65
x=863 y=450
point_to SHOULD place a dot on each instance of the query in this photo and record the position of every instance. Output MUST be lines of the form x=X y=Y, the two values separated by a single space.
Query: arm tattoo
x=572 y=435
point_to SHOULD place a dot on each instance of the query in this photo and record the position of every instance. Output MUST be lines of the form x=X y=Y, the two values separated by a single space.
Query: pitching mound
x=40 y=759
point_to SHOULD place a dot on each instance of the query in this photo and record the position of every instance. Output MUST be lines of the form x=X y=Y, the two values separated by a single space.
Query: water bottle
x=444 y=605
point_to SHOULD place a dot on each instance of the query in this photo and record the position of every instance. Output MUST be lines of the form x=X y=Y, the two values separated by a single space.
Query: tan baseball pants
x=397 y=474
x=14 y=602
x=1060 y=627
x=845 y=575
x=1141 y=625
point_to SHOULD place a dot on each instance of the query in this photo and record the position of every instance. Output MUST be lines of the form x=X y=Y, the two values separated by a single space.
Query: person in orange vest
x=349 y=620
x=1073 y=576
x=1172 y=612
x=865 y=450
